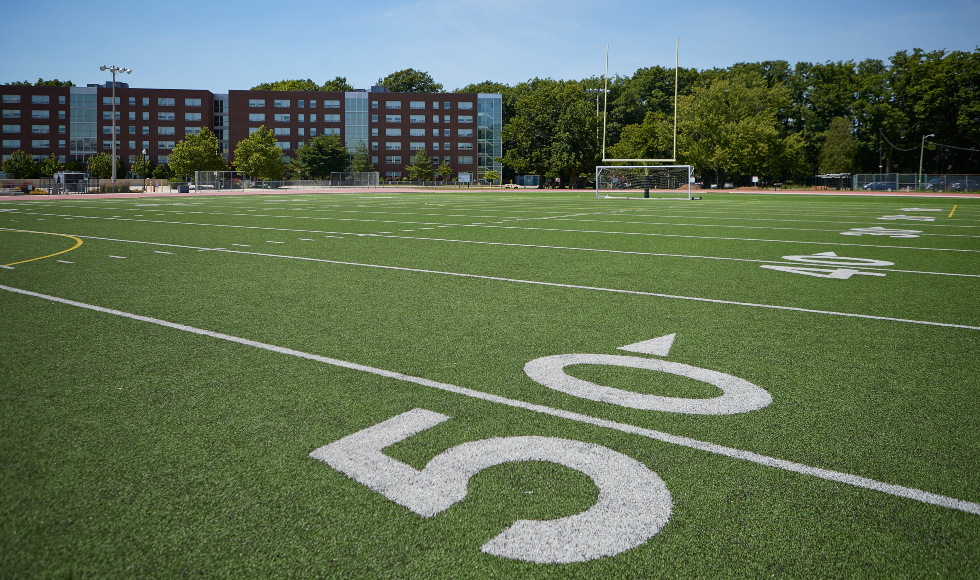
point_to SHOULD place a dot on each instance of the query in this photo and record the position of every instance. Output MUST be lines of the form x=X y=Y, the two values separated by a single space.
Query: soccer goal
x=666 y=181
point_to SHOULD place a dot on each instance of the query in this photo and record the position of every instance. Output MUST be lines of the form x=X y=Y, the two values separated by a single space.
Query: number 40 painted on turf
x=829 y=259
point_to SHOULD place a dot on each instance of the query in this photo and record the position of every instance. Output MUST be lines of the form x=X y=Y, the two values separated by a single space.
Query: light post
x=922 y=150
x=114 y=69
x=146 y=163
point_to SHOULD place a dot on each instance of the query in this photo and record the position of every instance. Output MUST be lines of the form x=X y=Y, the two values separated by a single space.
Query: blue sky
x=221 y=46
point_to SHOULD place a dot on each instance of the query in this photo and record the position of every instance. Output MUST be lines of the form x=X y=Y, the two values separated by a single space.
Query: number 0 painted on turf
x=634 y=504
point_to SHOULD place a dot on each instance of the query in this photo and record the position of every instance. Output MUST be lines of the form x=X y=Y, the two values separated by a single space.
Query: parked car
x=936 y=184
x=965 y=185
x=879 y=186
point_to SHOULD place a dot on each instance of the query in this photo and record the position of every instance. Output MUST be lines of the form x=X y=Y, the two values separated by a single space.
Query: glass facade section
x=489 y=122
x=355 y=119
x=83 y=141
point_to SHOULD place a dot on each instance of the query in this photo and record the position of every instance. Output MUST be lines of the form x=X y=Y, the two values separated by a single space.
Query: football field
x=490 y=385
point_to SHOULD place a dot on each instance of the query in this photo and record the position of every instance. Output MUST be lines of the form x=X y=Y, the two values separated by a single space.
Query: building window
x=464 y=106
x=132 y=129
x=192 y=116
x=300 y=103
x=301 y=133
x=464 y=146
x=312 y=104
x=393 y=104
x=146 y=145
x=312 y=115
x=61 y=145
x=464 y=118
x=393 y=132
x=41 y=144
x=335 y=118
x=41 y=129
x=445 y=132
x=435 y=132
x=165 y=144
x=281 y=103
x=12 y=99
x=163 y=159
x=435 y=105
x=61 y=114
x=146 y=115
x=132 y=101
x=165 y=131
x=11 y=113
x=11 y=143
x=166 y=102
x=166 y=117
x=47 y=115
x=374 y=159
x=40 y=100
x=465 y=159
x=132 y=144
x=334 y=104
x=414 y=146
x=132 y=115
x=11 y=128
x=256 y=102
x=107 y=115
x=416 y=119
x=416 y=132
x=374 y=118
x=374 y=145
x=146 y=101
x=61 y=99
x=393 y=159
x=146 y=131
x=447 y=146
x=393 y=146
x=256 y=117
x=192 y=102
x=374 y=131
x=445 y=105
x=435 y=118
x=331 y=131
x=62 y=129
x=374 y=104
x=312 y=129
x=284 y=145
x=253 y=130
x=464 y=132
x=435 y=146
x=393 y=118
x=107 y=129
x=281 y=117
x=192 y=130
x=445 y=118
x=416 y=104
x=281 y=130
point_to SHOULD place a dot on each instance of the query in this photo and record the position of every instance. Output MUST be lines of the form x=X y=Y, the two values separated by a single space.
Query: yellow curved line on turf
x=79 y=243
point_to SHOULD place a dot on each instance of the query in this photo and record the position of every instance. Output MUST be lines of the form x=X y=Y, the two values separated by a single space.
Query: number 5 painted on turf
x=634 y=503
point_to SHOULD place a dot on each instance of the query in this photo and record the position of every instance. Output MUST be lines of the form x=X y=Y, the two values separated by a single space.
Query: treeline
x=771 y=119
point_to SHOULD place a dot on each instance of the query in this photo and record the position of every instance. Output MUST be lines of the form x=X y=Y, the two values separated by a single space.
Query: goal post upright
x=605 y=101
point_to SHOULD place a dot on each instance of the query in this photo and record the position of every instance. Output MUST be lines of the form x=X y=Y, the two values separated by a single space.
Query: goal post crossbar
x=622 y=180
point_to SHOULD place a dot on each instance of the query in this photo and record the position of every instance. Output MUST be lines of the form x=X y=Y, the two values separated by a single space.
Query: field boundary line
x=836 y=476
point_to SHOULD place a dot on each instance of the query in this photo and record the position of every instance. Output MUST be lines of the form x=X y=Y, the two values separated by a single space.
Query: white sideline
x=854 y=480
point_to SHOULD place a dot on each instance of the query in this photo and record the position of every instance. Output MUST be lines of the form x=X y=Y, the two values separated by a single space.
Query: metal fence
x=915 y=182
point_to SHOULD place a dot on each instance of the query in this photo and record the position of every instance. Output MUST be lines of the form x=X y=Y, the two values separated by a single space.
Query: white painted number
x=829 y=259
x=836 y=273
x=634 y=504
x=911 y=218
x=738 y=395
x=880 y=231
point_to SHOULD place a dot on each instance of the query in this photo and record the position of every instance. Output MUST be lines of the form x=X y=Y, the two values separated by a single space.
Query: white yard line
x=836 y=476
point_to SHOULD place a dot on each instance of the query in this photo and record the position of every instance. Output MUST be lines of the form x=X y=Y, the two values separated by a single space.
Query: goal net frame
x=612 y=181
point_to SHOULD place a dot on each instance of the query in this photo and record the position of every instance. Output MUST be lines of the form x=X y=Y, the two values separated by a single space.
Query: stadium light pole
x=922 y=150
x=114 y=69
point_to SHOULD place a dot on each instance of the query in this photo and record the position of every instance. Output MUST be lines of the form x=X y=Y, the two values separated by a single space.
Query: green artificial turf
x=130 y=449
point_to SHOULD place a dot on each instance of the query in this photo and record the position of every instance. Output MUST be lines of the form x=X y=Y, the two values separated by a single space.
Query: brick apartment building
x=75 y=123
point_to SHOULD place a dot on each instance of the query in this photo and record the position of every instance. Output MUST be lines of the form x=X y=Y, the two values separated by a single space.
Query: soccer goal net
x=665 y=181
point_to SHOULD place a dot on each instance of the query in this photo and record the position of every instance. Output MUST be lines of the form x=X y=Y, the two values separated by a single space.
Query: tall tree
x=410 y=81
x=259 y=156
x=360 y=160
x=100 y=166
x=197 y=153
x=338 y=84
x=50 y=166
x=287 y=85
x=420 y=168
x=446 y=170
x=321 y=156
x=837 y=151
x=21 y=165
